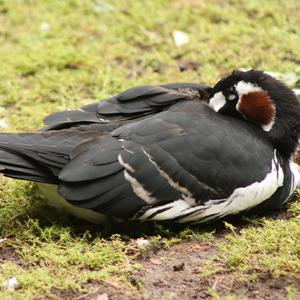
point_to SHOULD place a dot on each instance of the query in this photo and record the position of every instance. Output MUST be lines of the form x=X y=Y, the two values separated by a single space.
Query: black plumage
x=131 y=104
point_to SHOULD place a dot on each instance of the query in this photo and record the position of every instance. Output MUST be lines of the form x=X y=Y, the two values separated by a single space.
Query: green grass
x=57 y=55
x=52 y=257
x=269 y=247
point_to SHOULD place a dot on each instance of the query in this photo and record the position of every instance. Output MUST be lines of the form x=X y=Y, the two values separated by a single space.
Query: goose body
x=152 y=153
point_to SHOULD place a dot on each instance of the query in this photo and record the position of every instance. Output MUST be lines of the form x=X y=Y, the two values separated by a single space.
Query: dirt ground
x=175 y=273
x=179 y=277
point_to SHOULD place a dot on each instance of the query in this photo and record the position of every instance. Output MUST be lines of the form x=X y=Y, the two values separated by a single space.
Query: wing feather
x=134 y=103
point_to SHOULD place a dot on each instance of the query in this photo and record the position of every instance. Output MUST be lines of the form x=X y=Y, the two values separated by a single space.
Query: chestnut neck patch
x=257 y=107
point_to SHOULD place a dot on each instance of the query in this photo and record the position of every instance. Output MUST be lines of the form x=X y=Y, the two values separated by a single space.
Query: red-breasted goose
x=164 y=153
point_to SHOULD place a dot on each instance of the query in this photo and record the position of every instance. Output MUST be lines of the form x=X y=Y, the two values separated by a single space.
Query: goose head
x=259 y=98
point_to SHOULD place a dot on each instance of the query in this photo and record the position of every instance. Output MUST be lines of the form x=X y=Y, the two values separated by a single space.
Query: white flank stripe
x=124 y=164
x=186 y=194
x=139 y=189
x=176 y=209
x=242 y=198
x=217 y=101
x=104 y=120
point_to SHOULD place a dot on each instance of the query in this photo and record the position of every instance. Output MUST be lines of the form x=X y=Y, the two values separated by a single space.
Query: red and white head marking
x=255 y=105
x=261 y=99
x=238 y=97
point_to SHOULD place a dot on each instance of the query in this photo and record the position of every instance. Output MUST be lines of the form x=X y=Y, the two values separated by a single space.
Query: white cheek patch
x=244 y=88
x=217 y=101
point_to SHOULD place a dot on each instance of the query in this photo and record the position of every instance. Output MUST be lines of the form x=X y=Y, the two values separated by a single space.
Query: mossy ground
x=57 y=55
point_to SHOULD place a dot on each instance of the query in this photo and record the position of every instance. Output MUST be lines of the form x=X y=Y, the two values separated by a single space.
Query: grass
x=57 y=55
x=269 y=247
x=53 y=258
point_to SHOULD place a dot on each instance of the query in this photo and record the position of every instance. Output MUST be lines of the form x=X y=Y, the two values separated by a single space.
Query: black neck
x=285 y=137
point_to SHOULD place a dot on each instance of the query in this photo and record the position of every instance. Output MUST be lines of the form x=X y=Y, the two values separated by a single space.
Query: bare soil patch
x=161 y=279
x=9 y=254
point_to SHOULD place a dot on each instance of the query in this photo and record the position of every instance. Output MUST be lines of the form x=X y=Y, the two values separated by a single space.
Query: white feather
x=244 y=88
x=242 y=198
x=217 y=101
x=125 y=165
x=139 y=190
x=176 y=208
x=186 y=194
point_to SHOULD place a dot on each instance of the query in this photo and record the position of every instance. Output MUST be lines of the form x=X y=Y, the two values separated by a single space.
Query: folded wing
x=131 y=104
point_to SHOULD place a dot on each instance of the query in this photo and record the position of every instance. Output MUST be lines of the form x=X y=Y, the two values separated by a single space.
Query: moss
x=54 y=257
x=269 y=248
